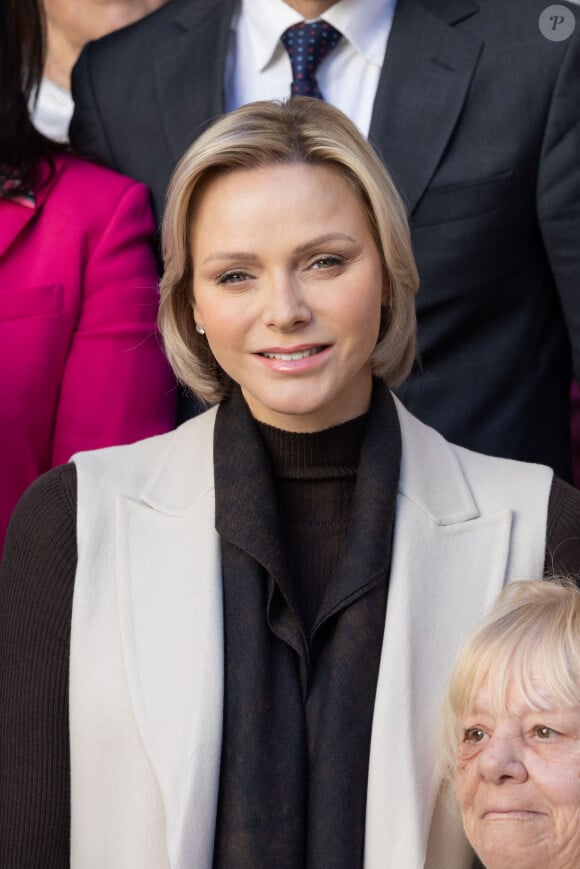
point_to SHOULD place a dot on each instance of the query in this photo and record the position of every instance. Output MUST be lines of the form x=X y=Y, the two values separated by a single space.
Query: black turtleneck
x=314 y=480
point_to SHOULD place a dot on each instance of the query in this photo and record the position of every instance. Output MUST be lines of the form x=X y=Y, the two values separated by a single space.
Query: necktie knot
x=307 y=44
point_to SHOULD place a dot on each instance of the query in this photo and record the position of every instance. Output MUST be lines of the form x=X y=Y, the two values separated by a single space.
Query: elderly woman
x=512 y=729
x=240 y=693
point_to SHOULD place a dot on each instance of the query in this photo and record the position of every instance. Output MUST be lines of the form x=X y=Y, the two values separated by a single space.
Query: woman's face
x=288 y=284
x=518 y=784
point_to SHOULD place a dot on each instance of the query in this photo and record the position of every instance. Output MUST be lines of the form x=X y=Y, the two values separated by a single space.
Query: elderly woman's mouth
x=511 y=814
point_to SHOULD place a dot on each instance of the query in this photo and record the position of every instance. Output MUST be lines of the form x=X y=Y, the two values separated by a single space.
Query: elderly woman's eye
x=473 y=734
x=544 y=732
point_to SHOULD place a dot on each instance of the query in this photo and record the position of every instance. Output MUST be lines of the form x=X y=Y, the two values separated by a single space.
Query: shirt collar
x=364 y=23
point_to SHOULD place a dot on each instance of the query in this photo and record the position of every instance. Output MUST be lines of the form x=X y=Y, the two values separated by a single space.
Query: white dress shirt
x=258 y=66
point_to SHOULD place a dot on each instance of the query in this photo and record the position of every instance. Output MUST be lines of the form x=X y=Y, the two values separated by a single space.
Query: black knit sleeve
x=563 y=532
x=36 y=586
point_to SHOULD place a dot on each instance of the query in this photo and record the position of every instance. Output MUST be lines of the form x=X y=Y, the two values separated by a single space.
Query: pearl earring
x=199 y=329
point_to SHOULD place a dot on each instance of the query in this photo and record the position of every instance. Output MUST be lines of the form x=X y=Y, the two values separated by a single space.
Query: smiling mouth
x=294 y=356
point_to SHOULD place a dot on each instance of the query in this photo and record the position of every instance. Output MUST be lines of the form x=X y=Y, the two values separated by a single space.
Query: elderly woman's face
x=288 y=286
x=518 y=784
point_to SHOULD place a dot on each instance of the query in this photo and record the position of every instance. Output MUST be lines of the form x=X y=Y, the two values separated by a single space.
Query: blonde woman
x=240 y=692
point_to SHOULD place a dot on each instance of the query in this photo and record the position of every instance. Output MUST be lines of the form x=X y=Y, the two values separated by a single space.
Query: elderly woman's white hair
x=260 y=134
x=530 y=636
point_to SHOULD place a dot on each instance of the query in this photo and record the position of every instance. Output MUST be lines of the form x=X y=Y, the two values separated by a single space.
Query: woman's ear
x=196 y=319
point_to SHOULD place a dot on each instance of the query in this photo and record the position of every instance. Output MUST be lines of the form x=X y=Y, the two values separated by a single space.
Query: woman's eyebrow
x=323 y=239
x=227 y=255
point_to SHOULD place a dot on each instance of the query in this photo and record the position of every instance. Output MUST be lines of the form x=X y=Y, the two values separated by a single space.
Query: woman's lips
x=290 y=355
x=293 y=359
x=514 y=814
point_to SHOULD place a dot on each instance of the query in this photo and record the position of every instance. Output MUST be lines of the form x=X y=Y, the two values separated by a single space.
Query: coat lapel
x=428 y=68
x=170 y=604
x=191 y=63
x=449 y=562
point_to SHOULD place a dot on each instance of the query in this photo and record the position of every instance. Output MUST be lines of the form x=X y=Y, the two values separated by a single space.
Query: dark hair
x=22 y=147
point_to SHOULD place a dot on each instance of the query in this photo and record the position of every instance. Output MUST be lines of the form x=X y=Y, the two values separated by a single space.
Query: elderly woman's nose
x=502 y=760
x=284 y=304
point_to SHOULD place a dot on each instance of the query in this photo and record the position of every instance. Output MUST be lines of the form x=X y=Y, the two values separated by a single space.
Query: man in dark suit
x=476 y=114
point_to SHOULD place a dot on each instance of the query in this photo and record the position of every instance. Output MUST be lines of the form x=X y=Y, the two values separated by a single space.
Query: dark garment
x=314 y=478
x=298 y=703
x=36 y=586
x=36 y=591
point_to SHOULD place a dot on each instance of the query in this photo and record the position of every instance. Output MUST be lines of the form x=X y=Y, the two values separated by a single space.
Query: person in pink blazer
x=81 y=365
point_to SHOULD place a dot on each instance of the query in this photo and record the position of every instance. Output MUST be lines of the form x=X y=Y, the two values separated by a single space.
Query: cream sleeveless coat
x=146 y=671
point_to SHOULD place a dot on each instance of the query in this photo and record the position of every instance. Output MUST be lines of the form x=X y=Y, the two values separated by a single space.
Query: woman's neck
x=72 y=23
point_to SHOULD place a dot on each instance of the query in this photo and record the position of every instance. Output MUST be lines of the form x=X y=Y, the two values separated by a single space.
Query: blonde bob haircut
x=532 y=632
x=261 y=134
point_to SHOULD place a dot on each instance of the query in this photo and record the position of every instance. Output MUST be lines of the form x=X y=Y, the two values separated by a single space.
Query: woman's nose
x=285 y=307
x=502 y=760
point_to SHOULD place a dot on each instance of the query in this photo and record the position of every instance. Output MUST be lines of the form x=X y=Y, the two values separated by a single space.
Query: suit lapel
x=170 y=605
x=190 y=65
x=449 y=562
x=428 y=68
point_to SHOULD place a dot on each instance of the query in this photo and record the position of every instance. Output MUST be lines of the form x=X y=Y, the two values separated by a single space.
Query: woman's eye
x=544 y=732
x=233 y=277
x=327 y=262
x=473 y=735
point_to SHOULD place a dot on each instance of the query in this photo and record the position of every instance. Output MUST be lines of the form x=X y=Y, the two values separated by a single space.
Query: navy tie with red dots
x=307 y=44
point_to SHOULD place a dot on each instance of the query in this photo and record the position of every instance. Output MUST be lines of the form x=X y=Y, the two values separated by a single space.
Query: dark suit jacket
x=477 y=115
